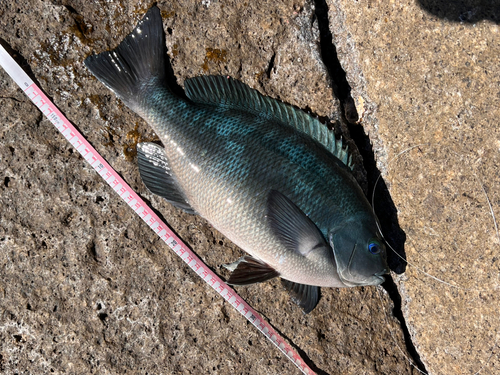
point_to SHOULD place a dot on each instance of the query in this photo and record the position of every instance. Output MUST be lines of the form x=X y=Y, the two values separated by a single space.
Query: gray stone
x=85 y=285
x=429 y=87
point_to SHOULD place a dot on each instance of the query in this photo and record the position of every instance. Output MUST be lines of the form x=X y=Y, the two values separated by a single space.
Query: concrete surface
x=86 y=287
x=432 y=80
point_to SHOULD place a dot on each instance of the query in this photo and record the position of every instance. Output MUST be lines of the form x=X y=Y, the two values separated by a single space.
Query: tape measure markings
x=142 y=209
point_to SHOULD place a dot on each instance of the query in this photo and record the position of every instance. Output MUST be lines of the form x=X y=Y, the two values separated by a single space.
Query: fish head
x=360 y=253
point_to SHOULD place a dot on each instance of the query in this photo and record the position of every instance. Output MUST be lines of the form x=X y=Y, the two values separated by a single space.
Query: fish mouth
x=375 y=279
x=380 y=280
x=372 y=280
x=380 y=274
x=380 y=277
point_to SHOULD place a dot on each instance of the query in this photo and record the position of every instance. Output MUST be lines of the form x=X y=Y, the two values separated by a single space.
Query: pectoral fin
x=294 y=229
x=248 y=270
x=306 y=296
x=157 y=175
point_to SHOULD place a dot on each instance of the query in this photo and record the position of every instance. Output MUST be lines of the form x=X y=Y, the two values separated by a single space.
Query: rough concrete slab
x=426 y=80
x=85 y=286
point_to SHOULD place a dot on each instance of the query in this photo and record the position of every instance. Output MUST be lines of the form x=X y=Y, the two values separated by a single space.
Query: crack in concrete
x=10 y=98
x=342 y=90
x=391 y=288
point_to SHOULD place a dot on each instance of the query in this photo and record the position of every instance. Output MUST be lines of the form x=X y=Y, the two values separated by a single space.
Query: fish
x=270 y=177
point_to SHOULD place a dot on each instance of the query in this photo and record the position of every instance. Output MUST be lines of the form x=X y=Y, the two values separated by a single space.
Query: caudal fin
x=137 y=64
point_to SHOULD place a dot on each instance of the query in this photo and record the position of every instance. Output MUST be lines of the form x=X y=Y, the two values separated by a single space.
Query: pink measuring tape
x=142 y=209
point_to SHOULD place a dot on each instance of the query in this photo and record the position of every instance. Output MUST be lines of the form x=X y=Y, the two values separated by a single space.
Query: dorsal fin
x=228 y=92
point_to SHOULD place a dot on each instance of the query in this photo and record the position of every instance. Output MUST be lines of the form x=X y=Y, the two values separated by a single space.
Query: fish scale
x=271 y=178
x=225 y=176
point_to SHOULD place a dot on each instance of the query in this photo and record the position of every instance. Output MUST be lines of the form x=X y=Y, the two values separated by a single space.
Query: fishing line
x=498 y=238
x=459 y=287
x=495 y=345
x=380 y=229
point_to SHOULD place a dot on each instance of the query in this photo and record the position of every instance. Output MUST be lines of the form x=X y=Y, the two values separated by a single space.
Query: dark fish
x=271 y=178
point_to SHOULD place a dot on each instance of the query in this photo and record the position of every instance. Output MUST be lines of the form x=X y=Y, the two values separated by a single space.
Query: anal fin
x=248 y=270
x=306 y=296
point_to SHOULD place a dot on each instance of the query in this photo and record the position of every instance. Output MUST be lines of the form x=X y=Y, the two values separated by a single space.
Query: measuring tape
x=142 y=209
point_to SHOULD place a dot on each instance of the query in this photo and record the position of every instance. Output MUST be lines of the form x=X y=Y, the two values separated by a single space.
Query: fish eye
x=374 y=247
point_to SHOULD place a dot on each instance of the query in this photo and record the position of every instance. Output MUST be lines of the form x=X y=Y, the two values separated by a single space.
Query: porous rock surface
x=87 y=287
x=426 y=81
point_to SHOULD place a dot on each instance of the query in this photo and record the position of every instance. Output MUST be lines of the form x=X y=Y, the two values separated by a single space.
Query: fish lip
x=385 y=271
x=375 y=279
x=379 y=275
x=347 y=270
x=381 y=279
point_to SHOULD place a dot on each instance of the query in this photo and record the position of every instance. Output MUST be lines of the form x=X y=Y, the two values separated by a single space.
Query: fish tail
x=137 y=65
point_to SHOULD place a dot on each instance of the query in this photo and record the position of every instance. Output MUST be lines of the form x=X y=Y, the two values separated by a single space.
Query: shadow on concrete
x=383 y=203
x=467 y=11
x=384 y=206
